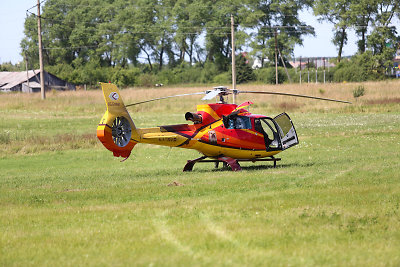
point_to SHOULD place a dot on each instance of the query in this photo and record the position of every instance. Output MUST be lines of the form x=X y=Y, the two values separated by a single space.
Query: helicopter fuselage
x=216 y=135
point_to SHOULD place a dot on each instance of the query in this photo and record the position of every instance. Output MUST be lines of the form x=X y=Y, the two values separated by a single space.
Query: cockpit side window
x=239 y=122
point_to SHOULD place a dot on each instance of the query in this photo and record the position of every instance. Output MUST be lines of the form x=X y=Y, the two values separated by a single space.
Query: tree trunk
x=161 y=54
x=362 y=48
x=342 y=37
x=148 y=57
x=161 y=58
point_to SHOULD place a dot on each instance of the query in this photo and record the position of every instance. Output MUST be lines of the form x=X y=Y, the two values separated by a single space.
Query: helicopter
x=221 y=132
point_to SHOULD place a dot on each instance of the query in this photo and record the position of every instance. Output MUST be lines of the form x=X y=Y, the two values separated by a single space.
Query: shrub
x=208 y=73
x=189 y=75
x=165 y=76
x=223 y=78
x=126 y=77
x=267 y=75
x=359 y=91
x=147 y=80
x=359 y=68
x=244 y=72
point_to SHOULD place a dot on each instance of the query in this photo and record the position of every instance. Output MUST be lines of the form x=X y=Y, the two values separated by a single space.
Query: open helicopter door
x=286 y=130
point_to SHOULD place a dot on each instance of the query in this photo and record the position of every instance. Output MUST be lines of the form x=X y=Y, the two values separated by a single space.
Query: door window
x=266 y=127
x=286 y=130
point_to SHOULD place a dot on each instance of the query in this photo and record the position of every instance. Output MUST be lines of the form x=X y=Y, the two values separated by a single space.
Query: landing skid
x=227 y=161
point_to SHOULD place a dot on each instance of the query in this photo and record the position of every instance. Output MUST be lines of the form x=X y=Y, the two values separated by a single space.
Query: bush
x=179 y=75
x=147 y=80
x=244 y=72
x=189 y=75
x=359 y=68
x=165 y=76
x=359 y=91
x=208 y=73
x=223 y=78
x=267 y=75
x=126 y=77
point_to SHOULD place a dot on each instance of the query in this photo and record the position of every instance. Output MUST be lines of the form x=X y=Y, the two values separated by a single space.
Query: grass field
x=333 y=200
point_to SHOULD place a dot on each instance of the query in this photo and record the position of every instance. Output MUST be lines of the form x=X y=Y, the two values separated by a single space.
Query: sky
x=13 y=13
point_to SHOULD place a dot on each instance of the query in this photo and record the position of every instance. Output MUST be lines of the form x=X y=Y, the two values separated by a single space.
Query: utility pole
x=233 y=59
x=26 y=68
x=276 y=56
x=284 y=65
x=40 y=53
x=300 y=70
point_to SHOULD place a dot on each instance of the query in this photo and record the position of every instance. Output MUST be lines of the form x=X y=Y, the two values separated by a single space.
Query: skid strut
x=227 y=161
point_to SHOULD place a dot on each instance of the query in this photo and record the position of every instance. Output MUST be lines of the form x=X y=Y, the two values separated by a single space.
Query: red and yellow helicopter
x=222 y=132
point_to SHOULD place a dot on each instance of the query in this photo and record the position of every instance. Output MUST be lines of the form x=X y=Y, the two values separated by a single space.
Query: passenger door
x=286 y=131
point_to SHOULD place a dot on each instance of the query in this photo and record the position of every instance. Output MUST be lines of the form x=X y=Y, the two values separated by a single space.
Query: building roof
x=10 y=79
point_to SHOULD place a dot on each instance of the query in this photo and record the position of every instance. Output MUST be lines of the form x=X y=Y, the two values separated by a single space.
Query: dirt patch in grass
x=288 y=106
x=383 y=101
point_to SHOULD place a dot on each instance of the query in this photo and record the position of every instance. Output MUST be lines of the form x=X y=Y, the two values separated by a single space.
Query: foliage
x=210 y=70
x=281 y=17
x=126 y=77
x=359 y=91
x=268 y=75
x=361 y=67
x=163 y=33
x=223 y=78
x=147 y=80
x=371 y=20
x=8 y=66
x=244 y=72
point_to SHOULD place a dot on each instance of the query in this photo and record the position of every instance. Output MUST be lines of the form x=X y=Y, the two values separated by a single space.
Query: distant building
x=320 y=62
x=29 y=82
x=297 y=64
x=257 y=64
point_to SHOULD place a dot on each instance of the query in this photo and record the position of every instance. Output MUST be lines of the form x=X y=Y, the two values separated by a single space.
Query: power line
x=71 y=47
x=176 y=26
x=35 y=6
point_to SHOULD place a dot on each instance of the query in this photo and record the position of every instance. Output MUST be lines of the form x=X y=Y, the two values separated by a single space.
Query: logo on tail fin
x=113 y=96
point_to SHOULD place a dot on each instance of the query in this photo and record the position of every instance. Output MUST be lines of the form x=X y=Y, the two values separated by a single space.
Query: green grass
x=333 y=200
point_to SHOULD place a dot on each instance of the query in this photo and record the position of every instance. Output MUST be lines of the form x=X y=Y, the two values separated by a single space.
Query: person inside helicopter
x=238 y=122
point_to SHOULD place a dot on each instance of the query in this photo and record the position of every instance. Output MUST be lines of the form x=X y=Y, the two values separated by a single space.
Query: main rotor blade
x=295 y=95
x=211 y=95
x=164 y=97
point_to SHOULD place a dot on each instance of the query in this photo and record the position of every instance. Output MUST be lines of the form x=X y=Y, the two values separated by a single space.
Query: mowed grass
x=333 y=200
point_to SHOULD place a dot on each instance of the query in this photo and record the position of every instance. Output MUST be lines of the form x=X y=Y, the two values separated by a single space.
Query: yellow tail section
x=116 y=129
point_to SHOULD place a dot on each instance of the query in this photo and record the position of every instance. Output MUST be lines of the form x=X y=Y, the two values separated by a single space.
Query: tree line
x=90 y=40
